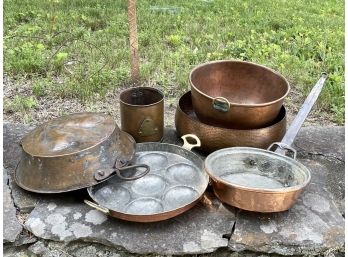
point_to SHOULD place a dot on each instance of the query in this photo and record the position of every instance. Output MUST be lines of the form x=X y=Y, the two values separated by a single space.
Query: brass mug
x=142 y=113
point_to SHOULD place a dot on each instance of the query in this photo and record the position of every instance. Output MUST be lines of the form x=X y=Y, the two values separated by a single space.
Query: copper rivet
x=101 y=173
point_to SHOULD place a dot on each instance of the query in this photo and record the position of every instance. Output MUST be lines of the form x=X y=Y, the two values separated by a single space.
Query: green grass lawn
x=80 y=48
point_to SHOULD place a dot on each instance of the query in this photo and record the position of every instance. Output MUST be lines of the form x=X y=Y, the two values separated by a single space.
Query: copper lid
x=69 y=134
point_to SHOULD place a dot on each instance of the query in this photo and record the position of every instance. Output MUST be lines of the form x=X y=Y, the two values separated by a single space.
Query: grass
x=80 y=48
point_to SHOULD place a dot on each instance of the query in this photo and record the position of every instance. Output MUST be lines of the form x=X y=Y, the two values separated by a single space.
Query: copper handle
x=96 y=206
x=147 y=169
x=284 y=147
x=189 y=146
x=221 y=104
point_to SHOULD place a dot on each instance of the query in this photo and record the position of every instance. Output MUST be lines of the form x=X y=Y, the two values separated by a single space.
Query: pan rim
x=261 y=190
x=200 y=123
x=244 y=62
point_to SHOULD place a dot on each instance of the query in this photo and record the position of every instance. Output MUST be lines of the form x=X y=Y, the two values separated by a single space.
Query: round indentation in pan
x=112 y=196
x=149 y=185
x=184 y=173
x=144 y=205
x=154 y=160
x=179 y=196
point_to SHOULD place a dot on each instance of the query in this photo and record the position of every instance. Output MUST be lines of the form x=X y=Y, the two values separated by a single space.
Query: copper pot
x=142 y=113
x=73 y=152
x=237 y=94
x=214 y=138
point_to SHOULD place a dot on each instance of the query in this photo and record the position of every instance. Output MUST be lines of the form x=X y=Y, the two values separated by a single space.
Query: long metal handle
x=302 y=114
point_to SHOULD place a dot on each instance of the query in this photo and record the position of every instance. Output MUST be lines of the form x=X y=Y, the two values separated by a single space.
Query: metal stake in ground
x=133 y=40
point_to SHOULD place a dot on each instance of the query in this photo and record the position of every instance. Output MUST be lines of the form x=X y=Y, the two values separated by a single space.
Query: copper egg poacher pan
x=175 y=183
x=262 y=180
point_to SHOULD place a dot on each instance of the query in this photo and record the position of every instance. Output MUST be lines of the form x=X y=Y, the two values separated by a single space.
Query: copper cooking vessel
x=104 y=194
x=142 y=113
x=214 y=138
x=237 y=94
x=73 y=152
x=262 y=180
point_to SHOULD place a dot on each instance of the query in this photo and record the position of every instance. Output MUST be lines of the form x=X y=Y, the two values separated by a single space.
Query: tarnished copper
x=142 y=113
x=214 y=138
x=236 y=94
x=73 y=152
x=250 y=161
x=261 y=180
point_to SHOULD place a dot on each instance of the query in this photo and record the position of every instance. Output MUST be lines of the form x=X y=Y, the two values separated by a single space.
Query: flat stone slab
x=12 y=135
x=312 y=226
x=199 y=230
x=327 y=141
x=12 y=228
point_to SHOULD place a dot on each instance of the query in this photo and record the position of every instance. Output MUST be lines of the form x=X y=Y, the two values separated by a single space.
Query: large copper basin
x=237 y=94
x=215 y=138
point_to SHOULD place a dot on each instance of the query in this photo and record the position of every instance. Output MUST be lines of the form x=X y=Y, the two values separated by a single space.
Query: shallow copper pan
x=237 y=94
x=175 y=183
x=73 y=152
x=215 y=138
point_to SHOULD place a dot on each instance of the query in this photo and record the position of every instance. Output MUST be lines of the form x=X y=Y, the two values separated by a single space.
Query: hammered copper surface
x=175 y=183
x=256 y=180
x=236 y=94
x=142 y=113
x=64 y=154
x=215 y=138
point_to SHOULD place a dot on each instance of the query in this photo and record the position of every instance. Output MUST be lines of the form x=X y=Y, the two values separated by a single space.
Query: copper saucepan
x=237 y=94
x=261 y=180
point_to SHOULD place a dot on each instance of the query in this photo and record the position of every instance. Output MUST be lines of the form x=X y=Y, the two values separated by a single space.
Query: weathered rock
x=327 y=141
x=26 y=201
x=333 y=179
x=12 y=136
x=312 y=226
x=200 y=230
x=38 y=248
x=12 y=228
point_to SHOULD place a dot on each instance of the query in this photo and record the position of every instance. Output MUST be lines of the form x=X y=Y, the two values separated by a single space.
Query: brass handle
x=284 y=148
x=146 y=167
x=96 y=206
x=221 y=104
x=189 y=146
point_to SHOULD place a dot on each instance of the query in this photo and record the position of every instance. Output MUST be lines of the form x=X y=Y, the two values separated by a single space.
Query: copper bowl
x=215 y=138
x=237 y=94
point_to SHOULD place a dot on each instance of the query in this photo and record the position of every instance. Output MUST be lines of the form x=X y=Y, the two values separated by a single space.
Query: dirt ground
x=50 y=107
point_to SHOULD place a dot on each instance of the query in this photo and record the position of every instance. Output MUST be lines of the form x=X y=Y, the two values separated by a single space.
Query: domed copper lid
x=69 y=134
